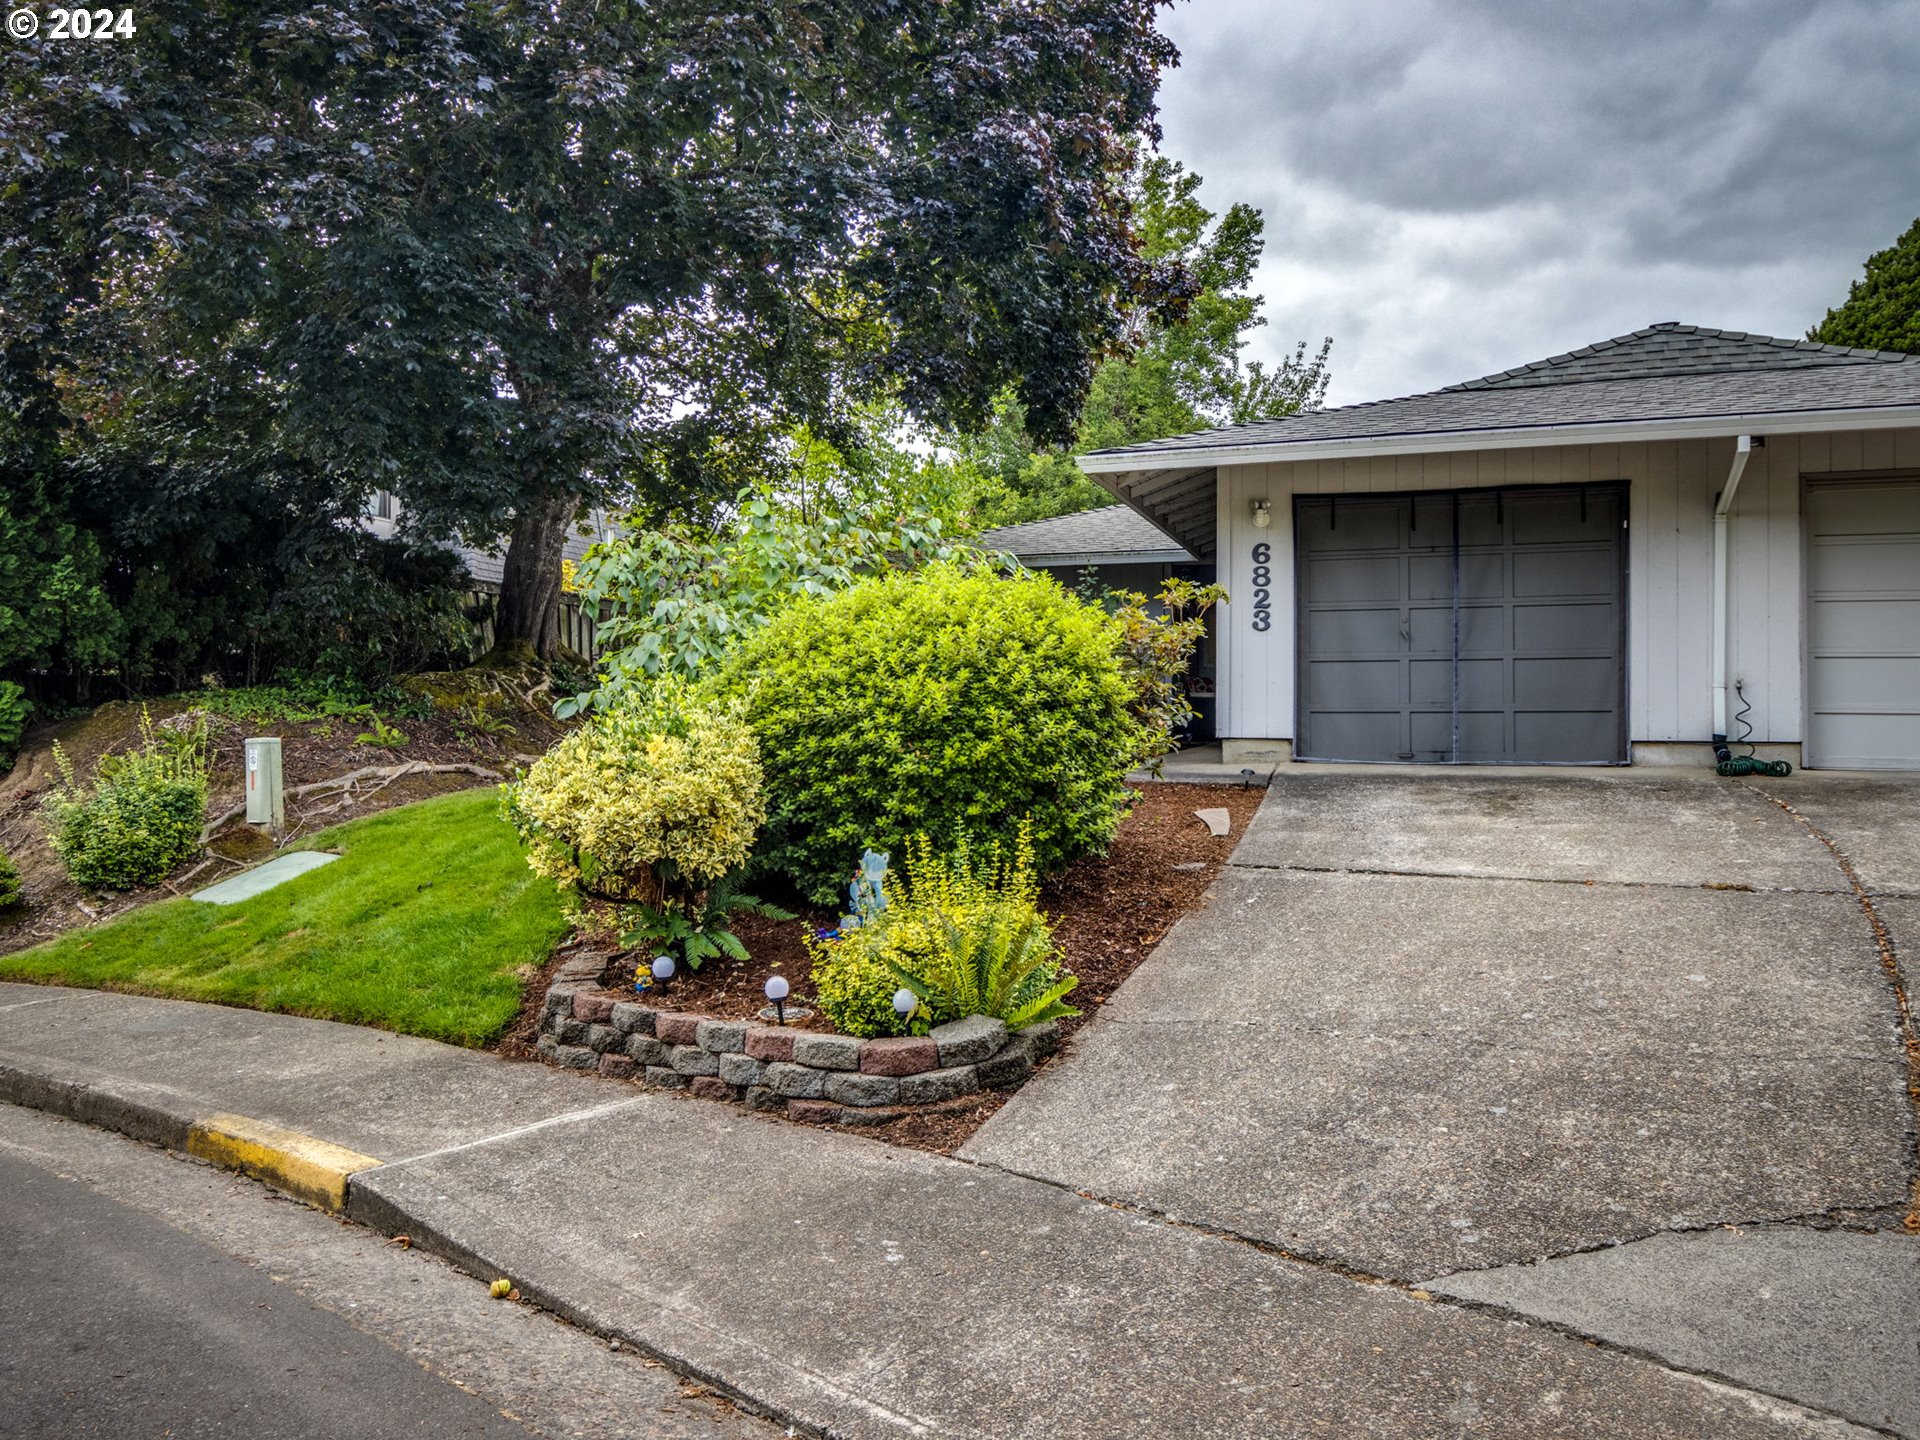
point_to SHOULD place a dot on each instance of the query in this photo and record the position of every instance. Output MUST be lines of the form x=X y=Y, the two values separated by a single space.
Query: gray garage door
x=1863 y=625
x=1463 y=627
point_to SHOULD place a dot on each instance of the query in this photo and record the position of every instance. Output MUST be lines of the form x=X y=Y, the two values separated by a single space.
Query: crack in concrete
x=1896 y=980
x=1418 y=1291
x=1588 y=884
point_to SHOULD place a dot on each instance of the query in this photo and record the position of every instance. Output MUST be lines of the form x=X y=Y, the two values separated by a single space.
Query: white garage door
x=1863 y=625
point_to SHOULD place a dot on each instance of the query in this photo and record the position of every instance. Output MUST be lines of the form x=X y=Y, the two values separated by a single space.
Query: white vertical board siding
x=1672 y=486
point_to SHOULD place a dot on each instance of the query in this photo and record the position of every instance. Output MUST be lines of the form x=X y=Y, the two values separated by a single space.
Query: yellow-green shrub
x=652 y=801
x=939 y=701
x=140 y=817
x=964 y=934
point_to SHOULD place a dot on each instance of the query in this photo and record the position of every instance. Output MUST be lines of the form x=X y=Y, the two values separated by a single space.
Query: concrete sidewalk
x=841 y=1285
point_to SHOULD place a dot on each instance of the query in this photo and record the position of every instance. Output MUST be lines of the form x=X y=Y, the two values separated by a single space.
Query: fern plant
x=1000 y=963
x=700 y=932
x=382 y=735
x=964 y=934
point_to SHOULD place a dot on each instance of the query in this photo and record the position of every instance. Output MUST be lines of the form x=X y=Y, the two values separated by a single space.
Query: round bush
x=650 y=801
x=941 y=702
x=11 y=892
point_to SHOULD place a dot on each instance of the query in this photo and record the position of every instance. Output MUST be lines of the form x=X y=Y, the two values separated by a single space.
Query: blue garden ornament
x=867 y=894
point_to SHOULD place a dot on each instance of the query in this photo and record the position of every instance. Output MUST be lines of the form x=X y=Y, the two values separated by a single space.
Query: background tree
x=1882 y=310
x=510 y=261
x=1178 y=374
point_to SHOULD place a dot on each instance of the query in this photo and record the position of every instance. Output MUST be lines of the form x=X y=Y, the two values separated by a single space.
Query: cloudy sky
x=1452 y=187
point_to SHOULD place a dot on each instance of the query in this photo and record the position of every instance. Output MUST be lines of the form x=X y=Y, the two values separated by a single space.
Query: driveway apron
x=1440 y=1024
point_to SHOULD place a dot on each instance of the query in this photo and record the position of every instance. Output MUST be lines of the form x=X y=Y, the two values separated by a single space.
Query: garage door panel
x=1483 y=683
x=1354 y=632
x=1540 y=573
x=1565 y=737
x=1347 y=524
x=1430 y=737
x=1840 y=567
x=1863 y=625
x=1574 y=628
x=1521 y=619
x=1884 y=627
x=1566 y=683
x=1877 y=682
x=1361 y=735
x=1357 y=684
x=1862 y=508
x=1350 y=579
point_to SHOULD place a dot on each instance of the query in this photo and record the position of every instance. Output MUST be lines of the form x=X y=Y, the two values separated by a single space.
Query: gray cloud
x=1455 y=186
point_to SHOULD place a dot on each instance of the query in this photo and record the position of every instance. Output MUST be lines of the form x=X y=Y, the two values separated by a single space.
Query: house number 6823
x=1262 y=586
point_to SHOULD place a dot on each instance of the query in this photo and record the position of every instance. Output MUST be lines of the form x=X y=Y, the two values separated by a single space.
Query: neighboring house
x=486 y=567
x=1603 y=557
x=1117 y=549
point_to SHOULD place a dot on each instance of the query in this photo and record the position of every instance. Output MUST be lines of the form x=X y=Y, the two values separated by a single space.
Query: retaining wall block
x=676 y=1029
x=902 y=1055
x=722 y=1037
x=692 y=1060
x=646 y=1050
x=593 y=1006
x=796 y=1082
x=948 y=1084
x=617 y=1067
x=742 y=1069
x=632 y=1019
x=826 y=1052
x=709 y=1087
x=767 y=1042
x=576 y=1057
x=664 y=1078
x=962 y=1042
x=604 y=1038
x=862 y=1090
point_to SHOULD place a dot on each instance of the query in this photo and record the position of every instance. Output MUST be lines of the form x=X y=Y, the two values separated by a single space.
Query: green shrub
x=965 y=936
x=937 y=701
x=11 y=893
x=653 y=803
x=140 y=817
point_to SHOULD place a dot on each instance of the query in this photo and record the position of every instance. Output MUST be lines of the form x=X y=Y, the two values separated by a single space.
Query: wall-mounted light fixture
x=1262 y=514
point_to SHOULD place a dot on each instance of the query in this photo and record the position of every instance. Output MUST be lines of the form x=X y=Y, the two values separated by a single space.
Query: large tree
x=1882 y=308
x=511 y=260
x=1178 y=373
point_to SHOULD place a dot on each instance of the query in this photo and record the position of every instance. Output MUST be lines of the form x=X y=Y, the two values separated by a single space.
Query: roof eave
x=1105 y=557
x=1599 y=432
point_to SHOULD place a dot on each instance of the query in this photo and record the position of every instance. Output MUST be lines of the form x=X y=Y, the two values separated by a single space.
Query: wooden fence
x=579 y=631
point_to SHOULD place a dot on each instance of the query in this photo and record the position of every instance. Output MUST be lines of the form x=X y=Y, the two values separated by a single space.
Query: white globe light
x=905 y=1002
x=777 y=987
x=663 y=967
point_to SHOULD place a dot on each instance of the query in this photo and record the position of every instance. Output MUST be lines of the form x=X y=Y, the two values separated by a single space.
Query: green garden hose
x=1736 y=766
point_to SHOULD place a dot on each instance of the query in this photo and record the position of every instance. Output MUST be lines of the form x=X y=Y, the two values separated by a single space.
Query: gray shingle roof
x=1113 y=534
x=1662 y=372
x=1675 y=349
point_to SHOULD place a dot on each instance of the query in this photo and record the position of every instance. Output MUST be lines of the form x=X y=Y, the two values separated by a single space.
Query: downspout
x=1742 y=450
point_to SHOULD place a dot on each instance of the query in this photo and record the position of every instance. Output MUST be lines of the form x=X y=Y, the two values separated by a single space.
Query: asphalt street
x=118 y=1325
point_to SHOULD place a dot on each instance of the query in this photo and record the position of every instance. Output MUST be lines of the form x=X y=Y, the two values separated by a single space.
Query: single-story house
x=1628 y=553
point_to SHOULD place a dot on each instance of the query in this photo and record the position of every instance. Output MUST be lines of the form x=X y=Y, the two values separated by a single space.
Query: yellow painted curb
x=308 y=1169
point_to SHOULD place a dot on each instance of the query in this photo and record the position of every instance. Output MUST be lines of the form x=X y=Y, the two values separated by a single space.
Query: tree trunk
x=529 y=614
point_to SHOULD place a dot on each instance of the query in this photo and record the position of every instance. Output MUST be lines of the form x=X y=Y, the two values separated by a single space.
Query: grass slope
x=419 y=927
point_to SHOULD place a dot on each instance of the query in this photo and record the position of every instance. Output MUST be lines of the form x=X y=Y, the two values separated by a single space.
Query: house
x=1630 y=553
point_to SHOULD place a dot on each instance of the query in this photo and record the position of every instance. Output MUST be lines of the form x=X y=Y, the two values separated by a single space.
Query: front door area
x=1479 y=627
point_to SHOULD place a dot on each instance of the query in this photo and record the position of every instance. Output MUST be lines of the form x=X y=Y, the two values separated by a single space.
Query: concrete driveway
x=1620 y=1052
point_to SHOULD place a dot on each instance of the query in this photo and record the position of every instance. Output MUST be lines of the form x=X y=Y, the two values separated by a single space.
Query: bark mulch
x=1108 y=913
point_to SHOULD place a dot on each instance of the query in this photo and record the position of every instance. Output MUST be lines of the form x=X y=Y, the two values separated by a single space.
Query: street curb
x=309 y=1169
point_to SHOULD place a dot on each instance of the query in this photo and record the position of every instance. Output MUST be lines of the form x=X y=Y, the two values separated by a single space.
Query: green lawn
x=419 y=927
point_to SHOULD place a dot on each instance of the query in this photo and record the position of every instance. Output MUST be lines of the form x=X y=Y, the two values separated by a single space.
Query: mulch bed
x=1108 y=913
